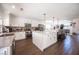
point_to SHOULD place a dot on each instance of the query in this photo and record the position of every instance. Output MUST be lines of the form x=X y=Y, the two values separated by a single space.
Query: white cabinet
x=6 y=51
x=19 y=35
x=38 y=40
x=5 y=45
x=43 y=40
x=49 y=39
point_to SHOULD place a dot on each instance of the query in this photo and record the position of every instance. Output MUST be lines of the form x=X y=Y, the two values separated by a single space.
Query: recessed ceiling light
x=13 y=6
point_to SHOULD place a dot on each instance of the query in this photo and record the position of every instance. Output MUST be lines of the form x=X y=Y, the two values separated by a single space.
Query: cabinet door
x=19 y=35
x=27 y=26
x=5 y=51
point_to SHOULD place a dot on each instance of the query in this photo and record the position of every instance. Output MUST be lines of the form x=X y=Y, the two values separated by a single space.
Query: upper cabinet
x=27 y=26
x=6 y=20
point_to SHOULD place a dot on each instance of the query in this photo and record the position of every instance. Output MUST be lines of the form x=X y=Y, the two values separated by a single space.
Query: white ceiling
x=36 y=10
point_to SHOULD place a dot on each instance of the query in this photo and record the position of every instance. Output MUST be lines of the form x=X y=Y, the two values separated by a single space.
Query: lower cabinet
x=6 y=51
x=43 y=40
x=19 y=35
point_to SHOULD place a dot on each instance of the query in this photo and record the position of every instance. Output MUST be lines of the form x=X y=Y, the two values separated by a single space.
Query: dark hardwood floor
x=69 y=46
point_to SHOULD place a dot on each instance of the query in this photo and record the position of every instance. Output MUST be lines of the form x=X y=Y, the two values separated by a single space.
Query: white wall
x=1 y=11
x=4 y=15
x=19 y=21
x=6 y=20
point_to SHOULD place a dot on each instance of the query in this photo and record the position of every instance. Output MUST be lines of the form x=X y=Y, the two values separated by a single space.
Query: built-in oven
x=28 y=34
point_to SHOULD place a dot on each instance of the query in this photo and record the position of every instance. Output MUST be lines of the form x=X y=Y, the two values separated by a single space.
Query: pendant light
x=44 y=16
x=53 y=21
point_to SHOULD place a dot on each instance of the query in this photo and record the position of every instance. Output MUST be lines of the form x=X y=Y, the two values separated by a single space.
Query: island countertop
x=6 y=34
x=6 y=39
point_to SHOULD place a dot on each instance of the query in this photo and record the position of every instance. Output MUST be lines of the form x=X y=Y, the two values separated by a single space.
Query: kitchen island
x=44 y=39
x=6 y=41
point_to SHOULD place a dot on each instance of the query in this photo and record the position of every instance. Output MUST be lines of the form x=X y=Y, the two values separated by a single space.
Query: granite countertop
x=6 y=39
x=6 y=34
x=45 y=32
